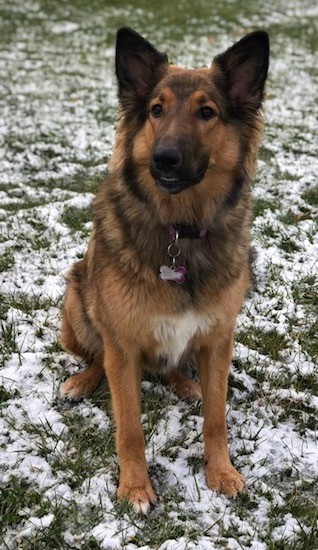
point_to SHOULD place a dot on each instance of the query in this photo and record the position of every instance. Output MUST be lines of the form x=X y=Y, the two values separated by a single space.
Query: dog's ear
x=139 y=66
x=245 y=66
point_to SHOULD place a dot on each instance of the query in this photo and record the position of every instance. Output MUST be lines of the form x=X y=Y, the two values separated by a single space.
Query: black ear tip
x=126 y=34
x=263 y=37
x=261 y=34
x=258 y=37
x=125 y=30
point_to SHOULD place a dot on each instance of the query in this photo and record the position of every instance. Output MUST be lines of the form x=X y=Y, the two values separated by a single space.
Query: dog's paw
x=227 y=481
x=190 y=391
x=142 y=498
x=77 y=387
x=83 y=384
x=186 y=388
x=70 y=389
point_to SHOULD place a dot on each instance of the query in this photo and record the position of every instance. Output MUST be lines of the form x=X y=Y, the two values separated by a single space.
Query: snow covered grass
x=58 y=464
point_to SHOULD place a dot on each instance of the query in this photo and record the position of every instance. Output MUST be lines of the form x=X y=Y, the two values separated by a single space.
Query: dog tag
x=176 y=274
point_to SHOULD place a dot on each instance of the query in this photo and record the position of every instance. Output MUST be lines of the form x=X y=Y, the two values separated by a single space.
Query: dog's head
x=190 y=125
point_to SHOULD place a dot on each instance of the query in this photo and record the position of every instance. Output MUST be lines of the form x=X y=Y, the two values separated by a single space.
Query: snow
x=58 y=100
x=36 y=523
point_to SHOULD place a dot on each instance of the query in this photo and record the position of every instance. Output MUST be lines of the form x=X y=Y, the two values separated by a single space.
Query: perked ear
x=139 y=66
x=245 y=65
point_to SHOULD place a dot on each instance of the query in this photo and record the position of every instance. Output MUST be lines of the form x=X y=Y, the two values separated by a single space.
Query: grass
x=302 y=505
x=58 y=461
x=77 y=218
x=8 y=341
x=260 y=205
x=311 y=196
x=15 y=495
x=265 y=342
x=6 y=261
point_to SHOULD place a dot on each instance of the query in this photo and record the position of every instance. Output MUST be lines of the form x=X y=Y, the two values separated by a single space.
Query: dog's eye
x=156 y=110
x=206 y=113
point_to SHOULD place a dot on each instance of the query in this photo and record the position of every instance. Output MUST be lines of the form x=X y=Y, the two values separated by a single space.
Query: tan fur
x=118 y=315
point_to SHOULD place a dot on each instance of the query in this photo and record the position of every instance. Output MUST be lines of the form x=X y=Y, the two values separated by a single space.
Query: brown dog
x=167 y=265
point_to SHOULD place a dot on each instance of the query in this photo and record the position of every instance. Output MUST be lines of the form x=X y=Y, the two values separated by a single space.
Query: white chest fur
x=174 y=333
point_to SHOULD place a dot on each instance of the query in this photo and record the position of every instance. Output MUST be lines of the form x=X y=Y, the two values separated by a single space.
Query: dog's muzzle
x=168 y=168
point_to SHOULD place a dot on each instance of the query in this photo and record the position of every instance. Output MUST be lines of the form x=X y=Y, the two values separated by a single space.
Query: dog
x=168 y=262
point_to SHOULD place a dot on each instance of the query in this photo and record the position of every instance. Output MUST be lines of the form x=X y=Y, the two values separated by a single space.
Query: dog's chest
x=174 y=334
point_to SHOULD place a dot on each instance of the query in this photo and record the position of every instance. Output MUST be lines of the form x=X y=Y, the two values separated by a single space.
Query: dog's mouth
x=174 y=185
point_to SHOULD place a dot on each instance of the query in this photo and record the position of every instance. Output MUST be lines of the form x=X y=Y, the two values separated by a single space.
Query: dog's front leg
x=213 y=364
x=124 y=378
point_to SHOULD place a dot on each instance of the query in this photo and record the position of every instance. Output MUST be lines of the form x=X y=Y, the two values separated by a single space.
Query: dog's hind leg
x=79 y=337
x=186 y=388
x=82 y=384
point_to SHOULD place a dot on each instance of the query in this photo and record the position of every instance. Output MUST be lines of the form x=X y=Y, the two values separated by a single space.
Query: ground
x=58 y=465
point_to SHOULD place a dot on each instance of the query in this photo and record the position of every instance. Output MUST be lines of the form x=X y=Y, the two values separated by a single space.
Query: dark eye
x=156 y=110
x=206 y=113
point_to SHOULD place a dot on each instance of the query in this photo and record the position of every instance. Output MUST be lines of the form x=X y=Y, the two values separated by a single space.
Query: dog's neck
x=187 y=231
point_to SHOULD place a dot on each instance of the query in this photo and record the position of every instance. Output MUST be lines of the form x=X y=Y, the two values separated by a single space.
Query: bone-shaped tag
x=176 y=274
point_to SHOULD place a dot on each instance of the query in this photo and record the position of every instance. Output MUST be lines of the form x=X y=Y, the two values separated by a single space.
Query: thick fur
x=185 y=153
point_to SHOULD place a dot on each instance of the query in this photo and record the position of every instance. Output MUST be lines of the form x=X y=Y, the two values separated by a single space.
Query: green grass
x=311 y=196
x=8 y=341
x=76 y=218
x=260 y=205
x=302 y=504
x=309 y=339
x=266 y=342
x=88 y=450
x=6 y=395
x=14 y=496
x=6 y=261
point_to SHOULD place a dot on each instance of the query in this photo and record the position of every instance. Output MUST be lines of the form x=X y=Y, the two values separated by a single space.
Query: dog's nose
x=167 y=158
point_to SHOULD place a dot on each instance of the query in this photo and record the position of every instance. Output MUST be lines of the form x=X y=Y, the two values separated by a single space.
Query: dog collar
x=173 y=272
x=187 y=231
